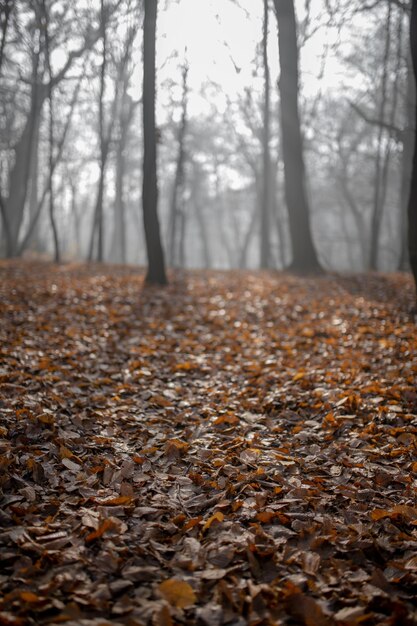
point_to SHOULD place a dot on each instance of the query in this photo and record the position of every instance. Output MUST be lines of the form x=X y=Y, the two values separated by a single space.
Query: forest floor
x=237 y=448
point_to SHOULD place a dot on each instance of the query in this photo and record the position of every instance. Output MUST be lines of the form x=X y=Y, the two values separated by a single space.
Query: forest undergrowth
x=237 y=448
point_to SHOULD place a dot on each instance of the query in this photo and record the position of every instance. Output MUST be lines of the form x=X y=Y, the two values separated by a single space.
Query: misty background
x=71 y=131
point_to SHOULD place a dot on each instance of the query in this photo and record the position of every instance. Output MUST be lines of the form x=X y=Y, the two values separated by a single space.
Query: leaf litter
x=239 y=448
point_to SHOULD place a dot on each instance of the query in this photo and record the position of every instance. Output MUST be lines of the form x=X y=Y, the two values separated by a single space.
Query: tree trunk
x=304 y=254
x=175 y=212
x=379 y=178
x=412 y=204
x=119 y=230
x=34 y=191
x=407 y=162
x=76 y=216
x=97 y=235
x=266 y=183
x=5 y=12
x=14 y=205
x=156 y=265
x=51 y=138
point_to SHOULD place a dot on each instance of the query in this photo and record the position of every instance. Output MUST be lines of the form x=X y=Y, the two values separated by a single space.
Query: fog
x=71 y=134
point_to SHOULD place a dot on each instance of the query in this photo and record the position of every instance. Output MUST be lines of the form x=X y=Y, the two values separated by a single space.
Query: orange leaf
x=28 y=596
x=97 y=534
x=265 y=517
x=226 y=419
x=67 y=454
x=216 y=517
x=400 y=510
x=194 y=521
x=298 y=376
x=117 y=501
x=186 y=366
x=178 y=593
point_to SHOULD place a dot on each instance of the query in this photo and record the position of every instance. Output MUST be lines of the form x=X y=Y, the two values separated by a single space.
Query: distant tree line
x=278 y=179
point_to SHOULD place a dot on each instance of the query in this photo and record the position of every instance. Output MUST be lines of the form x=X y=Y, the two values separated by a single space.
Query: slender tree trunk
x=75 y=215
x=304 y=254
x=407 y=162
x=197 y=201
x=243 y=254
x=5 y=12
x=51 y=138
x=278 y=219
x=34 y=189
x=183 y=230
x=119 y=231
x=357 y=214
x=156 y=265
x=97 y=234
x=378 y=178
x=412 y=205
x=266 y=183
x=175 y=212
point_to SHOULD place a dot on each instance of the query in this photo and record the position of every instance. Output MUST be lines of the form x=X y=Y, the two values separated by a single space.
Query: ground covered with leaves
x=238 y=448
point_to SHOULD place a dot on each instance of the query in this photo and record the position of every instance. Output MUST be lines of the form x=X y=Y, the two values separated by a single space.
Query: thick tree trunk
x=412 y=204
x=14 y=205
x=304 y=254
x=156 y=265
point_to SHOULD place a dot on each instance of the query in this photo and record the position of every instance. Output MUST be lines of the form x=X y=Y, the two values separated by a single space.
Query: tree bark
x=412 y=204
x=378 y=202
x=57 y=255
x=97 y=235
x=407 y=162
x=175 y=211
x=304 y=254
x=119 y=229
x=266 y=183
x=5 y=12
x=14 y=205
x=156 y=264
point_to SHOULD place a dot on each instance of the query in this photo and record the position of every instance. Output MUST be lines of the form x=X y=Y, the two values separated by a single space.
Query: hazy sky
x=221 y=37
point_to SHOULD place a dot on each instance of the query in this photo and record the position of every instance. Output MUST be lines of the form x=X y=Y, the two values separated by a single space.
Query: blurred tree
x=44 y=19
x=104 y=137
x=13 y=202
x=266 y=160
x=6 y=8
x=176 y=245
x=120 y=113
